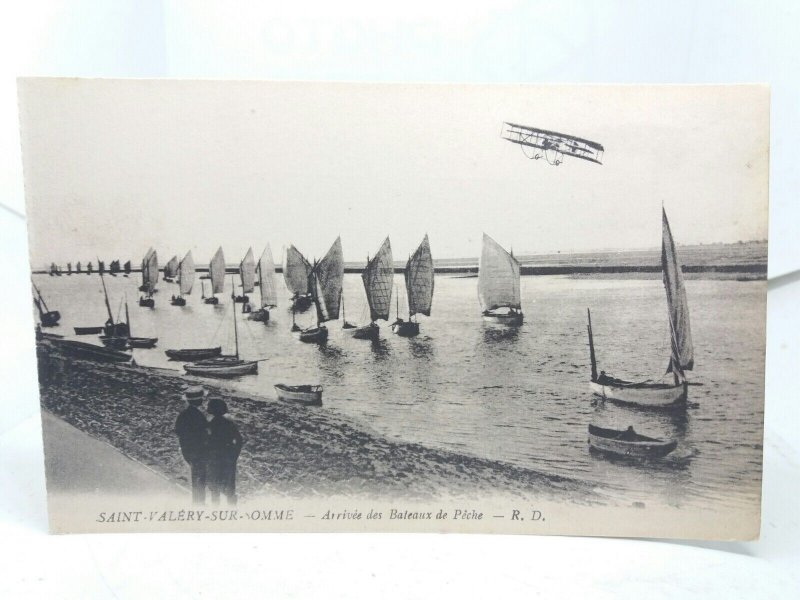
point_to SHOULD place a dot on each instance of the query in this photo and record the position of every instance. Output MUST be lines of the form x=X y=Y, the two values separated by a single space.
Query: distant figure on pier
x=224 y=446
x=192 y=429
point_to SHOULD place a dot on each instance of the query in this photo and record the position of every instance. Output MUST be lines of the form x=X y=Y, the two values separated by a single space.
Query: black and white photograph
x=347 y=307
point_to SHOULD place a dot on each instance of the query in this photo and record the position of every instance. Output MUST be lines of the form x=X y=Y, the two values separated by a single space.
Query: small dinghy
x=222 y=368
x=47 y=317
x=628 y=444
x=310 y=395
x=193 y=354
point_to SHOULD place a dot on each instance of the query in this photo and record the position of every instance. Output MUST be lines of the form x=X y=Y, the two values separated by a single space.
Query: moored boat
x=628 y=444
x=247 y=273
x=296 y=272
x=185 y=274
x=418 y=276
x=499 y=285
x=661 y=393
x=91 y=351
x=171 y=269
x=47 y=317
x=310 y=395
x=193 y=354
x=149 y=278
x=216 y=269
x=88 y=330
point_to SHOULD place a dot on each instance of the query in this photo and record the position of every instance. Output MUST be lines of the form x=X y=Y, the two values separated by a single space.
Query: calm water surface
x=518 y=395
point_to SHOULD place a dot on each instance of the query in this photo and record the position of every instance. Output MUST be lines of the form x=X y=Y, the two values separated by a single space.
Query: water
x=518 y=395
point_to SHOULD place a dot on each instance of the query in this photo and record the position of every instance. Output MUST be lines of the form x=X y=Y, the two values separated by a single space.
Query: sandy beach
x=289 y=450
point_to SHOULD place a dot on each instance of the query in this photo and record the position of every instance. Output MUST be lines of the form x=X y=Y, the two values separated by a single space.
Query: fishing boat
x=149 y=278
x=247 y=273
x=266 y=285
x=47 y=317
x=377 y=278
x=171 y=269
x=296 y=271
x=121 y=342
x=418 y=275
x=498 y=285
x=127 y=268
x=662 y=393
x=69 y=268
x=627 y=443
x=111 y=328
x=326 y=280
x=185 y=276
x=89 y=269
x=194 y=354
x=309 y=395
x=113 y=268
x=224 y=366
x=216 y=269
x=93 y=352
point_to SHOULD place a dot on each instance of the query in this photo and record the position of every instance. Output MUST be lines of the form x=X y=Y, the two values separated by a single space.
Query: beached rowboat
x=222 y=368
x=90 y=351
x=88 y=330
x=310 y=395
x=627 y=443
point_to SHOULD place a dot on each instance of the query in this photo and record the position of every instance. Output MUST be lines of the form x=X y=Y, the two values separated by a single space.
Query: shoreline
x=290 y=450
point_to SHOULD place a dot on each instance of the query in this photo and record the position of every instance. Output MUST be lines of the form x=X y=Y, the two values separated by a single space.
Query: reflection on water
x=516 y=394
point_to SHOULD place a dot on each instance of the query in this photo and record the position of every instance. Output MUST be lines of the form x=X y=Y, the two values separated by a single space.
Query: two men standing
x=210 y=448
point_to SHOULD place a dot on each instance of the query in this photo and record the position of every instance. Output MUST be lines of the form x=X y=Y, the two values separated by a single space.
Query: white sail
x=329 y=276
x=186 y=274
x=677 y=304
x=378 y=277
x=498 y=277
x=266 y=279
x=144 y=265
x=171 y=268
x=419 y=280
x=247 y=270
x=217 y=272
x=152 y=270
x=296 y=271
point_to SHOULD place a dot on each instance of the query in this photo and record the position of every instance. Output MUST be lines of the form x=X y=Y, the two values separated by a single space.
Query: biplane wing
x=553 y=142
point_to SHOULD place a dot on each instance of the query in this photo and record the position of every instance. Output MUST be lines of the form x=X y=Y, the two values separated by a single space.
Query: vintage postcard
x=267 y=306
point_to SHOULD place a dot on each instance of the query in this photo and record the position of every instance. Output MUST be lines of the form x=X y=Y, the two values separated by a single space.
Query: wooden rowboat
x=88 y=330
x=193 y=354
x=232 y=368
x=91 y=351
x=647 y=394
x=122 y=342
x=627 y=443
x=310 y=395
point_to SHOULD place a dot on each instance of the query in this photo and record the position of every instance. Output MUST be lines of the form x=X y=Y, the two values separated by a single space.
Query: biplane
x=551 y=145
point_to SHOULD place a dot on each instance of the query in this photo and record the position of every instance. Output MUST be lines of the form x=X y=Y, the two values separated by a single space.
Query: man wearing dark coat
x=224 y=446
x=192 y=429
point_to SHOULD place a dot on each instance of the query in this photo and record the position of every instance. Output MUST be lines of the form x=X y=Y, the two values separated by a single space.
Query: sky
x=112 y=167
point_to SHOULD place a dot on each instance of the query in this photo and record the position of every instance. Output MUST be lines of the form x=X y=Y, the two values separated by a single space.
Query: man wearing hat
x=192 y=429
x=224 y=446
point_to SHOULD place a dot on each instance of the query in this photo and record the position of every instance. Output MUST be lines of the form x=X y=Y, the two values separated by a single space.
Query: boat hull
x=508 y=319
x=405 y=328
x=367 y=332
x=301 y=303
x=88 y=330
x=193 y=353
x=91 y=352
x=610 y=442
x=147 y=303
x=262 y=315
x=317 y=335
x=224 y=369
x=645 y=395
x=241 y=299
x=211 y=300
x=50 y=318
x=308 y=395
x=178 y=302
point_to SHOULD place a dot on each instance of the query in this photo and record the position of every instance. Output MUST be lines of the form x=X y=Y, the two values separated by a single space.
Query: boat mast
x=233 y=309
x=127 y=316
x=105 y=294
x=38 y=293
x=591 y=346
x=341 y=299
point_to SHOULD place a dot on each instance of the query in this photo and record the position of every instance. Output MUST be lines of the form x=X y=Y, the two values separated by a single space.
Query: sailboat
x=78 y=267
x=185 y=275
x=69 y=268
x=224 y=366
x=266 y=285
x=247 y=272
x=47 y=317
x=126 y=268
x=498 y=284
x=171 y=269
x=89 y=268
x=111 y=328
x=377 y=277
x=419 y=287
x=149 y=278
x=296 y=271
x=122 y=342
x=657 y=393
x=113 y=268
x=326 y=280
x=216 y=270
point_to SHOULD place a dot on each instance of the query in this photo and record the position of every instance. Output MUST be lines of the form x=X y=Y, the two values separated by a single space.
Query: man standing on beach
x=192 y=429
x=224 y=446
